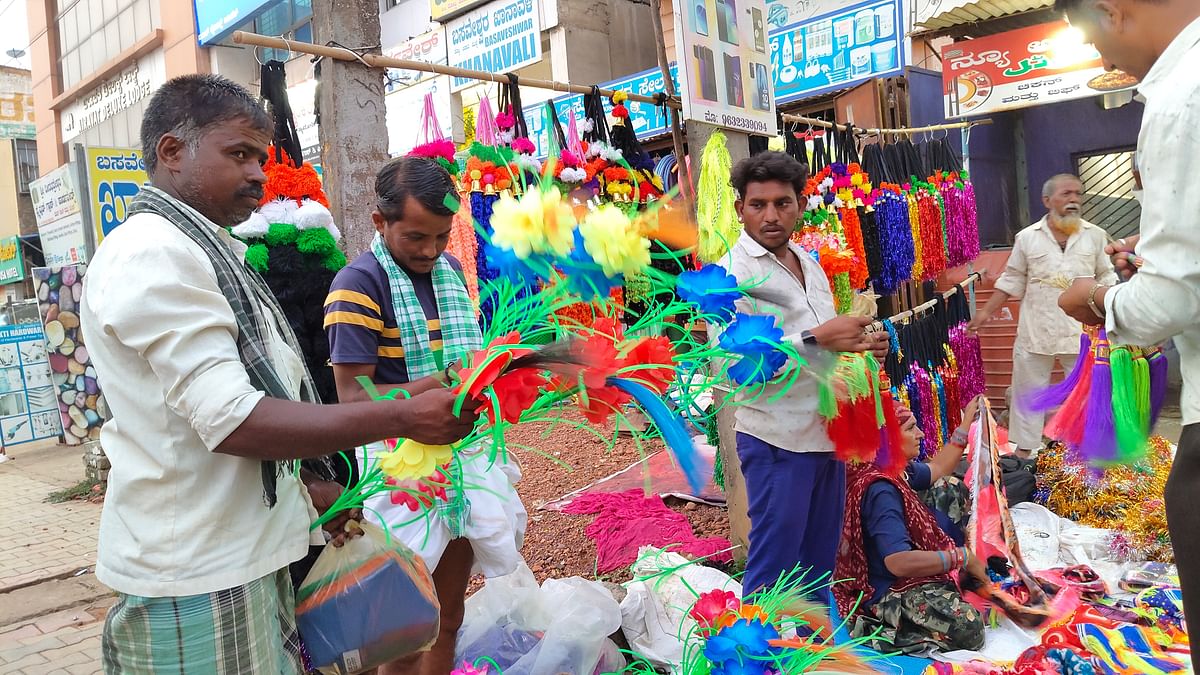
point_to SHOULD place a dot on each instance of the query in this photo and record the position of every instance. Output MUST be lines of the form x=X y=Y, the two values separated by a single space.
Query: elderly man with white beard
x=1046 y=257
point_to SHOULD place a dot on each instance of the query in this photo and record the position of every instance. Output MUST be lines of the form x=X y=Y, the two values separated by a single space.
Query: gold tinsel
x=1127 y=499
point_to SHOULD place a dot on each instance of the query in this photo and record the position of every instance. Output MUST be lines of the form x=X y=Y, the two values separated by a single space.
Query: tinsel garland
x=719 y=226
x=933 y=245
x=1125 y=498
x=464 y=245
x=962 y=235
x=713 y=438
x=852 y=227
x=914 y=223
x=968 y=356
x=843 y=293
x=895 y=241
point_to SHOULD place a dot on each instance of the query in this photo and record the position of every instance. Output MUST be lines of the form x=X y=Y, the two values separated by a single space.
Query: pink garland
x=962 y=235
x=969 y=355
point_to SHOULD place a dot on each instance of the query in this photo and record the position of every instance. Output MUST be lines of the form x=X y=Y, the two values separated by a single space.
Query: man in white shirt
x=796 y=487
x=1158 y=42
x=1046 y=256
x=211 y=404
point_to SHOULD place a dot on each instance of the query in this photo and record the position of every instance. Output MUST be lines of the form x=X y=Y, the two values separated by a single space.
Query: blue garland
x=896 y=242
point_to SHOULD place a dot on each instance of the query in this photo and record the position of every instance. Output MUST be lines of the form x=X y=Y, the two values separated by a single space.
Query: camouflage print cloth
x=929 y=616
x=950 y=496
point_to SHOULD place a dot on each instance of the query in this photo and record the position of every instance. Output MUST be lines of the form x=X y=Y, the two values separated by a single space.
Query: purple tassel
x=1099 y=444
x=1054 y=395
x=1158 y=384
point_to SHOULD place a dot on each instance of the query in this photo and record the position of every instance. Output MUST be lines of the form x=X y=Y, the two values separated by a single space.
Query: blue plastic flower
x=758 y=368
x=743 y=641
x=508 y=265
x=583 y=274
x=744 y=667
x=711 y=289
x=751 y=334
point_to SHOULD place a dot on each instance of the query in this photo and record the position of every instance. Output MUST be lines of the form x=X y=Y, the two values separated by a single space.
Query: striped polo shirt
x=360 y=318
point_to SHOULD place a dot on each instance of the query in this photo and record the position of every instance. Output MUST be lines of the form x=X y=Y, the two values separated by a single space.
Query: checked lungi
x=248 y=630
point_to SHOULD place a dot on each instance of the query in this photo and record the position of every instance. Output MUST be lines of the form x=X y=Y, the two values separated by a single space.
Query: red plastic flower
x=652 y=351
x=516 y=393
x=485 y=369
x=600 y=358
x=427 y=491
x=711 y=606
x=602 y=402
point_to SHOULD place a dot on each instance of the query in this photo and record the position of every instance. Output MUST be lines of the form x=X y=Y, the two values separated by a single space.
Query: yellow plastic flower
x=614 y=242
x=536 y=223
x=413 y=460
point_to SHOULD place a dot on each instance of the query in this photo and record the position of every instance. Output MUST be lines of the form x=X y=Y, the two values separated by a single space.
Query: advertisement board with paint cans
x=500 y=37
x=838 y=50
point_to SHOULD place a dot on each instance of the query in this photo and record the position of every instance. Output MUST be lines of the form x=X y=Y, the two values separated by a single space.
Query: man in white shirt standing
x=211 y=405
x=1158 y=42
x=796 y=487
x=1045 y=257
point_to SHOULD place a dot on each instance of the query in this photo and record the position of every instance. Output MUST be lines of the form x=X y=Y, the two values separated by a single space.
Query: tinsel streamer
x=464 y=245
x=914 y=223
x=715 y=213
x=1126 y=419
x=712 y=436
x=843 y=294
x=954 y=402
x=933 y=246
x=968 y=354
x=895 y=236
x=852 y=228
x=971 y=217
x=871 y=244
x=1054 y=395
x=962 y=237
x=1099 y=443
x=1158 y=383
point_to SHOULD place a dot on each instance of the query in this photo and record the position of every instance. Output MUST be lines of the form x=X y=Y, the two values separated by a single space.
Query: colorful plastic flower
x=747 y=612
x=420 y=494
x=539 y=222
x=508 y=265
x=414 y=460
x=751 y=334
x=583 y=275
x=712 y=605
x=711 y=289
x=613 y=242
x=742 y=641
x=515 y=393
x=650 y=361
x=467 y=669
x=757 y=368
x=488 y=364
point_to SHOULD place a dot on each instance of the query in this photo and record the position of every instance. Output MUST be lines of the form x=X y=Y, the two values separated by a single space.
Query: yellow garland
x=914 y=220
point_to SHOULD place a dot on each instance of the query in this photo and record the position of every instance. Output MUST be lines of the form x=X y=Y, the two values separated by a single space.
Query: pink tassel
x=486 y=131
x=1054 y=395
x=1099 y=443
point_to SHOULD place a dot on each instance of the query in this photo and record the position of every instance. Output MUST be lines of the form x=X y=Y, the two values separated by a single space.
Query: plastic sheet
x=365 y=604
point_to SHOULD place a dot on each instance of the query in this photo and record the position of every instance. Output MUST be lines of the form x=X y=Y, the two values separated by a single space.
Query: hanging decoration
x=715 y=197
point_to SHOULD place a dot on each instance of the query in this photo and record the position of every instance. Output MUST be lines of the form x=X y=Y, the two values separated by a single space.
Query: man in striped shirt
x=399 y=314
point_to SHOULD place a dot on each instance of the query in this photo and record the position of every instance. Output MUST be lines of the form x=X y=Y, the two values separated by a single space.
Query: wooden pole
x=685 y=186
x=800 y=119
x=377 y=61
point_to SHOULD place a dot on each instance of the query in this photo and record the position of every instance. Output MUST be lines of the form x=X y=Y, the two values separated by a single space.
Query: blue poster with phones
x=837 y=50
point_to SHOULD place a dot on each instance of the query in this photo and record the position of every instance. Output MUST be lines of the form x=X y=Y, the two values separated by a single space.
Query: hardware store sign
x=499 y=37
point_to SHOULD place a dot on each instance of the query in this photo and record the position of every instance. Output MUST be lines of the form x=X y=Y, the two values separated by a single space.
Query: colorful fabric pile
x=1127 y=498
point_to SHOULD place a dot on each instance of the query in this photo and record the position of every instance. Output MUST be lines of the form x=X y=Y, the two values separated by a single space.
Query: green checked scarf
x=249 y=298
x=460 y=329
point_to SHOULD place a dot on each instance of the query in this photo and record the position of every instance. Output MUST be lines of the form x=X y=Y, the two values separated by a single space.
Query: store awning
x=939 y=15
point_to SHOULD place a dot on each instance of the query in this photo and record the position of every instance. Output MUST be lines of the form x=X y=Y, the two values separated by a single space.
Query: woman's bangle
x=959 y=438
x=945 y=561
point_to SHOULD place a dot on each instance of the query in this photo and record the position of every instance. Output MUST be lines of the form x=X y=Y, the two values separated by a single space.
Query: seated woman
x=896 y=556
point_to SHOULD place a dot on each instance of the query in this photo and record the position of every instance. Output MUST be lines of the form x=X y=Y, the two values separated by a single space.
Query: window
x=25 y=156
x=1108 y=200
x=291 y=19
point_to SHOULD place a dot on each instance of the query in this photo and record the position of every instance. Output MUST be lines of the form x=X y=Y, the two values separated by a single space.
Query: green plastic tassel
x=826 y=400
x=1131 y=438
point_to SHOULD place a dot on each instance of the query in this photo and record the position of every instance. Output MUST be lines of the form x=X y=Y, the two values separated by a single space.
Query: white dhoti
x=495 y=520
x=1031 y=373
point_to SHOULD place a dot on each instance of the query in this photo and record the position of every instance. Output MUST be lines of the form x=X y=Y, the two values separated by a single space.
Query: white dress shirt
x=180 y=519
x=1163 y=299
x=791 y=422
x=1034 y=270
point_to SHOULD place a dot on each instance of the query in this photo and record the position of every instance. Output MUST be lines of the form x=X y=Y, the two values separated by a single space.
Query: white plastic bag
x=366 y=603
x=560 y=628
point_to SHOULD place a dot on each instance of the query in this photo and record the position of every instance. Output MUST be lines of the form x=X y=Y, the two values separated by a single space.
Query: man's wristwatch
x=808 y=338
x=1091 y=301
x=447 y=370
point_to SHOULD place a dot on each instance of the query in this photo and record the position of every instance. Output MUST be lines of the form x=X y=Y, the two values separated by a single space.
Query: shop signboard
x=1047 y=63
x=216 y=19
x=29 y=408
x=444 y=10
x=115 y=176
x=55 y=198
x=838 y=50
x=784 y=13
x=427 y=48
x=16 y=104
x=726 y=79
x=113 y=96
x=499 y=37
x=12 y=263
x=407 y=105
x=647 y=119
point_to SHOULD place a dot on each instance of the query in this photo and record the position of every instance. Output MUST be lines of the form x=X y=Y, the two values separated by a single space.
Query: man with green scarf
x=400 y=316
x=211 y=406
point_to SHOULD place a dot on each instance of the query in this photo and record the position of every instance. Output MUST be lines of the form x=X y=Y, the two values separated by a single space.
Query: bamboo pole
x=377 y=61
x=800 y=119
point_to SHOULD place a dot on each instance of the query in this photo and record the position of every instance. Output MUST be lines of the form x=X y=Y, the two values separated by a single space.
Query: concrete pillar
x=353 y=127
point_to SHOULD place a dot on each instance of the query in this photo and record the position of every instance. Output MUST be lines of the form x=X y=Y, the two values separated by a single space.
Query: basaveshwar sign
x=1048 y=63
